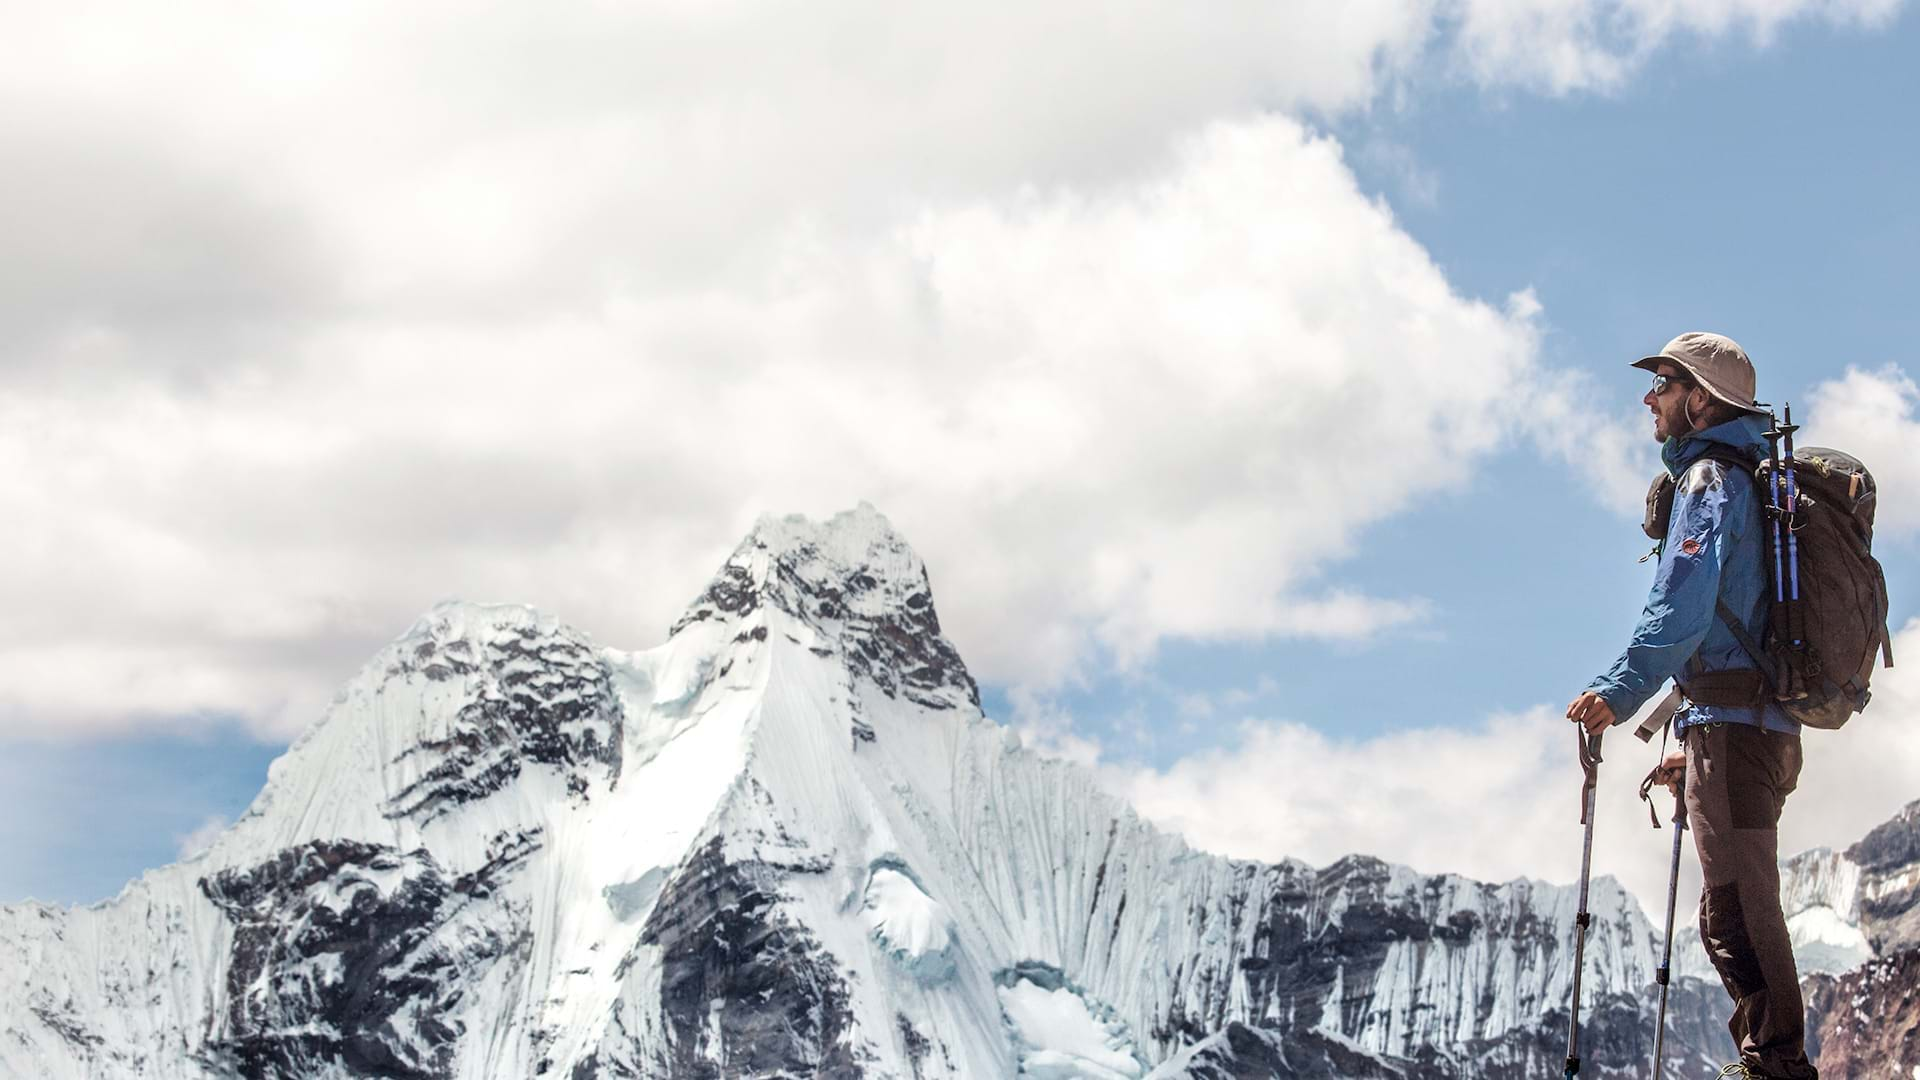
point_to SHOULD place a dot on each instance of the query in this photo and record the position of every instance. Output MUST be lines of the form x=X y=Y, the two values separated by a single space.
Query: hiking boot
x=1740 y=1070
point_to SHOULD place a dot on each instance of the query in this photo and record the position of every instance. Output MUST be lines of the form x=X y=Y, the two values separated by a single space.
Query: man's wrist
x=1609 y=696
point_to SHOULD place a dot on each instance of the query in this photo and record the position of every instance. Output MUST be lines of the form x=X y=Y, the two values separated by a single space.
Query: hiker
x=1739 y=750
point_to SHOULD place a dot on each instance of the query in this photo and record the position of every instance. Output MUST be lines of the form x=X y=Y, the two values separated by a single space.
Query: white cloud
x=1501 y=799
x=317 y=316
x=1615 y=455
x=1567 y=45
x=202 y=836
x=1047 y=728
x=1497 y=801
x=1871 y=415
x=1857 y=777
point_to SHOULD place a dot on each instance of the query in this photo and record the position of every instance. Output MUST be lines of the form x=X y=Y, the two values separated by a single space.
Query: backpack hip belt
x=1728 y=688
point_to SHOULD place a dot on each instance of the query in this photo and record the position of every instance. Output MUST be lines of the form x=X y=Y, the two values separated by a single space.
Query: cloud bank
x=1494 y=801
x=313 y=317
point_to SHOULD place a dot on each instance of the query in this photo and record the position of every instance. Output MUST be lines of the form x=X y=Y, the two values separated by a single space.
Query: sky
x=1252 y=378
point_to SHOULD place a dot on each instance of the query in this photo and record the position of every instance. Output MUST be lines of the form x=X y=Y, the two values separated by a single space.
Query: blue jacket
x=1715 y=548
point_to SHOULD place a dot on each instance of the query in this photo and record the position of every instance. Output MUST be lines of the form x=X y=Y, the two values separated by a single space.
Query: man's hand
x=1591 y=711
x=1673 y=769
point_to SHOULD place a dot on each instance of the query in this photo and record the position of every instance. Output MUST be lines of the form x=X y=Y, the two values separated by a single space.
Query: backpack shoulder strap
x=1747 y=644
x=1727 y=455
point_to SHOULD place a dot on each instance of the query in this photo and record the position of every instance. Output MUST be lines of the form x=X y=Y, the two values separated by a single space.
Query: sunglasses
x=1661 y=382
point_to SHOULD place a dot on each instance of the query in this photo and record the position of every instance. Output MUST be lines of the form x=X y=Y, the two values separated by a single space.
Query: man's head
x=1700 y=380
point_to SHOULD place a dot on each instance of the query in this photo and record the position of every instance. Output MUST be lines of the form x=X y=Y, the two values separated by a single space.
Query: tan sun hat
x=1715 y=361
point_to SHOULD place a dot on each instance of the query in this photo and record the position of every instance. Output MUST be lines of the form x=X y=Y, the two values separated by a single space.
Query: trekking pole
x=1796 y=631
x=1787 y=428
x=1663 y=976
x=1780 y=615
x=1590 y=764
x=1774 y=510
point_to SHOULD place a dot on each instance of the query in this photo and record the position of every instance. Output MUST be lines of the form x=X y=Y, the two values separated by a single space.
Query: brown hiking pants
x=1738 y=778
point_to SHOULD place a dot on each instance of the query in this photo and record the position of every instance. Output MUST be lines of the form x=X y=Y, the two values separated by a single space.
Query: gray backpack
x=1841 y=615
x=1820 y=651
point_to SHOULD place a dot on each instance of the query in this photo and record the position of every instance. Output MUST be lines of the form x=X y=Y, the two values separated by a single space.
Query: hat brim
x=1652 y=363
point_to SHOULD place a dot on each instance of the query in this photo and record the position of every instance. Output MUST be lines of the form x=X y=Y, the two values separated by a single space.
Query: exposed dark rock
x=885 y=628
x=1893 y=845
x=917 y=1045
x=1616 y=1036
x=1866 y=1023
x=1890 y=903
x=1245 y=1052
x=63 y=1021
x=741 y=983
x=535 y=693
x=338 y=960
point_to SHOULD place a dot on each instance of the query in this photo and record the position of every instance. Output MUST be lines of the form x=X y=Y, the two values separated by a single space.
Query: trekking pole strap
x=1662 y=714
x=1646 y=794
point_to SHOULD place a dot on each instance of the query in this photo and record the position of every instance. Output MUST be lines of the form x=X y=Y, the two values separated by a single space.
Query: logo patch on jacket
x=1690 y=546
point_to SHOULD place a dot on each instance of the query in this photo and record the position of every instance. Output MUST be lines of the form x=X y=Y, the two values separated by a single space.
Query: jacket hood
x=1745 y=433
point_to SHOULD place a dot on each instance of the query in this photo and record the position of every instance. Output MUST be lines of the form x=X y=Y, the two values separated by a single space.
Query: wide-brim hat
x=1716 y=362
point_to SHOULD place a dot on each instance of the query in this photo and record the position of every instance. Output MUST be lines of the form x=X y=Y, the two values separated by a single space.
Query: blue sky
x=1766 y=194
x=1761 y=190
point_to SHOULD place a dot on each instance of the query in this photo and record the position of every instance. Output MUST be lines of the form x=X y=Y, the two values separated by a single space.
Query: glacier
x=787 y=841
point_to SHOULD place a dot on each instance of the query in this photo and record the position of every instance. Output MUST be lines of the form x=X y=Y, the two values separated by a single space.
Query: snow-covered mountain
x=1860 y=903
x=786 y=842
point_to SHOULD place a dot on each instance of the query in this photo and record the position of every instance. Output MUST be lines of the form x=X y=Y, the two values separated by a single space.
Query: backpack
x=1841 y=615
x=1819 y=651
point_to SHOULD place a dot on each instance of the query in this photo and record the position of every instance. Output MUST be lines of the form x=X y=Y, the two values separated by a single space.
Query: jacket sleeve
x=1680 y=608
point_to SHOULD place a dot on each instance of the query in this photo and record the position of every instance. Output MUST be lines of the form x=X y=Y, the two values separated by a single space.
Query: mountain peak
x=860 y=590
x=471 y=694
x=860 y=537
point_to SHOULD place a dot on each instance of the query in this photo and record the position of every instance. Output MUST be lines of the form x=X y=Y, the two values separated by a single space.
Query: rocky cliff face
x=1888 y=861
x=786 y=842
x=1866 y=1023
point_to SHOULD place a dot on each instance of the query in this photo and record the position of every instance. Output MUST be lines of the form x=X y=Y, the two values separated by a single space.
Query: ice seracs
x=909 y=924
x=1061 y=1036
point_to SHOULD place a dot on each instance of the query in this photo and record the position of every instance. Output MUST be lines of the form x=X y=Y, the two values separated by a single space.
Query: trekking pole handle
x=1589 y=750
